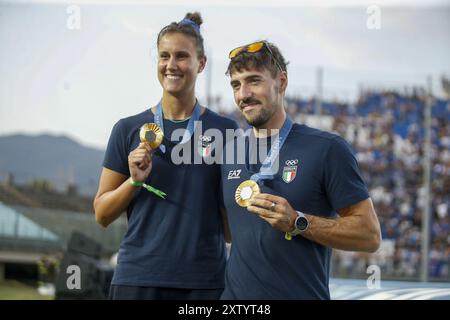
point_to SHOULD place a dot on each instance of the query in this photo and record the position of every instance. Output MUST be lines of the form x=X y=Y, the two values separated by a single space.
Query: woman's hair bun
x=195 y=17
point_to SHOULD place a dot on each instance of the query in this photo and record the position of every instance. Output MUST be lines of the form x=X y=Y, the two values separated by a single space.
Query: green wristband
x=149 y=188
x=135 y=183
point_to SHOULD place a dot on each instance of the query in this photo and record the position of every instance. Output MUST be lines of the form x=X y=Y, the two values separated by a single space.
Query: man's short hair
x=260 y=60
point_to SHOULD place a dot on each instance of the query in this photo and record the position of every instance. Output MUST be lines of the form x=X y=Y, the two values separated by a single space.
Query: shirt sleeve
x=116 y=155
x=343 y=182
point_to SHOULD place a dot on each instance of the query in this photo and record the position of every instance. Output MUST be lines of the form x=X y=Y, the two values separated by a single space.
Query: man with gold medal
x=291 y=192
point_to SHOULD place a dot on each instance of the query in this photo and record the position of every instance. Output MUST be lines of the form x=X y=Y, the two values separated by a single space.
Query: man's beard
x=264 y=115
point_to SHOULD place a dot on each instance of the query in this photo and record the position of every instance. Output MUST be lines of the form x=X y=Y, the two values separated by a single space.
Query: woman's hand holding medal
x=140 y=159
x=140 y=162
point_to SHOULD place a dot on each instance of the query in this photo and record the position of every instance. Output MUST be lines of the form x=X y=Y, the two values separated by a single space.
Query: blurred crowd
x=386 y=130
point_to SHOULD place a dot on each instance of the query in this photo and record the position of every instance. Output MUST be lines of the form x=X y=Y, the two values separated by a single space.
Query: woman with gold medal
x=174 y=247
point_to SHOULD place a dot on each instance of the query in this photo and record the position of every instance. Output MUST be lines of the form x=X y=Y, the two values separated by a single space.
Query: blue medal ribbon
x=190 y=126
x=265 y=172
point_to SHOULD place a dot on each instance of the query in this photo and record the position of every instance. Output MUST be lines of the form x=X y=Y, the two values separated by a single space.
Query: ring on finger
x=272 y=206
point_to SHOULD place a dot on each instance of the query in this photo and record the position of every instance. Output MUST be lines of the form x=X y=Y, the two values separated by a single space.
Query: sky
x=79 y=82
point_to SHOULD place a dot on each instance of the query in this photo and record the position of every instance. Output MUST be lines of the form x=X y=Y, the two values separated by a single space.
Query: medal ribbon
x=190 y=126
x=265 y=172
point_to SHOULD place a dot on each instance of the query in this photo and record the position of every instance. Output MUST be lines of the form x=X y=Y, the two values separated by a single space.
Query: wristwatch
x=301 y=224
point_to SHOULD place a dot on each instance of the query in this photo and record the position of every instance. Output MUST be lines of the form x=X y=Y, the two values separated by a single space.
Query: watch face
x=301 y=223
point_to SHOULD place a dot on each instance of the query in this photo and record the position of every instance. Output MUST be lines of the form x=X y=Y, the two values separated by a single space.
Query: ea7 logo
x=234 y=174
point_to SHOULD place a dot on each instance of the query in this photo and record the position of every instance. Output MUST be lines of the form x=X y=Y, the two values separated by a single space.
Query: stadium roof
x=44 y=198
x=33 y=228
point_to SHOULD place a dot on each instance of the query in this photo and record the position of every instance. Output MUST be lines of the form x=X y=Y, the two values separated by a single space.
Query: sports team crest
x=290 y=170
x=204 y=146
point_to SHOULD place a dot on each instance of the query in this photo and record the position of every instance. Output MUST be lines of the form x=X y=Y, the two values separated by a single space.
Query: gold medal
x=152 y=134
x=246 y=190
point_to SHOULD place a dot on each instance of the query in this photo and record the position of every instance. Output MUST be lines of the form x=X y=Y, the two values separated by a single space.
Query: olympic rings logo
x=205 y=138
x=292 y=162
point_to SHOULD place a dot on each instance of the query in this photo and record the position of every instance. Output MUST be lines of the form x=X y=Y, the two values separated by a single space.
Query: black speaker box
x=94 y=277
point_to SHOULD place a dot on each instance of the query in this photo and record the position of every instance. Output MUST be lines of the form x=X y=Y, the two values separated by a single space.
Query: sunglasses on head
x=253 y=48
